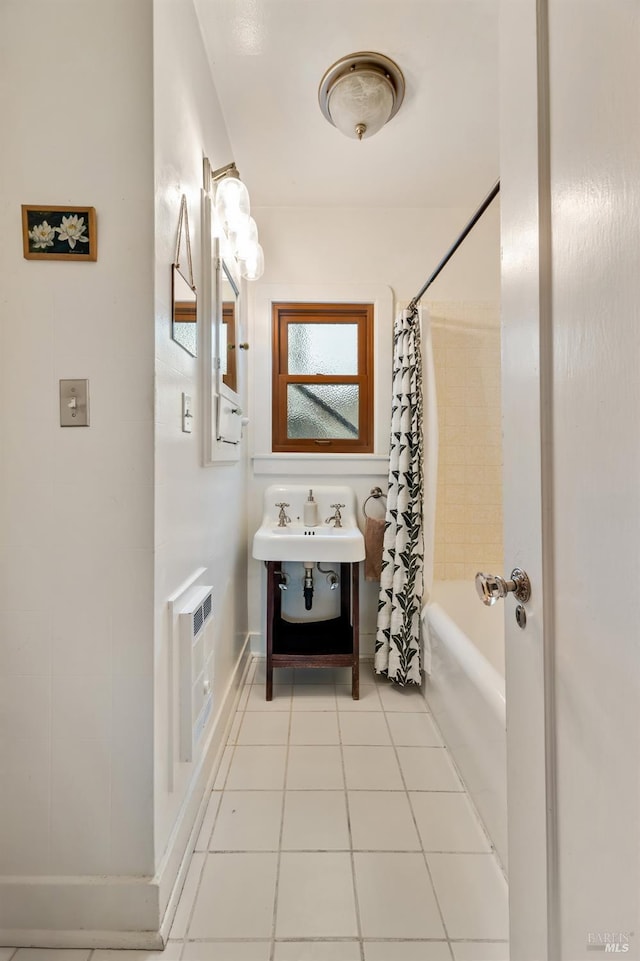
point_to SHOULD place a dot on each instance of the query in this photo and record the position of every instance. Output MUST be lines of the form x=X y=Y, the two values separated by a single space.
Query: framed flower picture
x=59 y=233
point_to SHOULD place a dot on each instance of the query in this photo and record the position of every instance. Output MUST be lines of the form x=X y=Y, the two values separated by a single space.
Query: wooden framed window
x=323 y=378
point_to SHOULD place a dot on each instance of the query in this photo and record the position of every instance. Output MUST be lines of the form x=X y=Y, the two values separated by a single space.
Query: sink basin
x=295 y=542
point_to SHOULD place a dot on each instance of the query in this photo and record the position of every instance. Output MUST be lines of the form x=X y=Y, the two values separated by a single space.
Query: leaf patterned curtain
x=401 y=581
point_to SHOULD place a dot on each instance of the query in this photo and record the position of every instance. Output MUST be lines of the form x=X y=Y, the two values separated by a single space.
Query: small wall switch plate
x=74 y=403
x=187 y=414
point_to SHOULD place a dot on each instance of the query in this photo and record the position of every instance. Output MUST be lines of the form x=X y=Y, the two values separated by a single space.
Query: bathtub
x=465 y=692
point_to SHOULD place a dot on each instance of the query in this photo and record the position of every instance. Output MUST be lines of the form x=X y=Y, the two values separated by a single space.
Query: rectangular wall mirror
x=184 y=329
x=223 y=350
x=228 y=421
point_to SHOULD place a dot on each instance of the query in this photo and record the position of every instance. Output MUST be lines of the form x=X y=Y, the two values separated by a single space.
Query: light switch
x=187 y=414
x=74 y=403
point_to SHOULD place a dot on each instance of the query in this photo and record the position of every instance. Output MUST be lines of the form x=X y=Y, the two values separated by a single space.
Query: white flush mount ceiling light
x=232 y=221
x=360 y=93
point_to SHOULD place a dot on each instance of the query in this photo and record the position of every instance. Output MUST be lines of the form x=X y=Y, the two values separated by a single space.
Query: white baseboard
x=53 y=938
x=79 y=912
x=120 y=912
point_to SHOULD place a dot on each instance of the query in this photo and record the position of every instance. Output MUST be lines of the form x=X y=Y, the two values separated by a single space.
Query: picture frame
x=52 y=232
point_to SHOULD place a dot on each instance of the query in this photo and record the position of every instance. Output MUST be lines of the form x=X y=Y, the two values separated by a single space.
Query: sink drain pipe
x=307 y=588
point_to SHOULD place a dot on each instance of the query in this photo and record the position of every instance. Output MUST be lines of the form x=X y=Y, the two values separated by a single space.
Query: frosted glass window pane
x=323 y=348
x=187 y=337
x=322 y=411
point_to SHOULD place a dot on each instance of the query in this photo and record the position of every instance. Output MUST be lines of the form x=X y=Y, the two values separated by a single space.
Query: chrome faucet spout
x=337 y=517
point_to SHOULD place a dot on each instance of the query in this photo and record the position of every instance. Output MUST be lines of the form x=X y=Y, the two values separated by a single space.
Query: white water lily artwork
x=59 y=233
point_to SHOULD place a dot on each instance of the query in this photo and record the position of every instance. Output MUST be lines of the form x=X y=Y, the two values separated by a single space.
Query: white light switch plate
x=187 y=414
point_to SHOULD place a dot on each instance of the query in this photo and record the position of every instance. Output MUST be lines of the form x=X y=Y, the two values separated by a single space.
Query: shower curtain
x=402 y=577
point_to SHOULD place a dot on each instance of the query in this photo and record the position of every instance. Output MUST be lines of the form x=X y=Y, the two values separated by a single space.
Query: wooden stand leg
x=355 y=622
x=271 y=588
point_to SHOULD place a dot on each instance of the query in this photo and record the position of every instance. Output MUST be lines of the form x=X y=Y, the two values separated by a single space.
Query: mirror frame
x=229 y=400
x=218 y=400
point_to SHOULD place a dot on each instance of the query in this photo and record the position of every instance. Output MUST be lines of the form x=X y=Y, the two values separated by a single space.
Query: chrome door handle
x=492 y=587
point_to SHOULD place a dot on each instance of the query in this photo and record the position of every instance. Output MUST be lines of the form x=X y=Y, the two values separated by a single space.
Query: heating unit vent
x=196 y=667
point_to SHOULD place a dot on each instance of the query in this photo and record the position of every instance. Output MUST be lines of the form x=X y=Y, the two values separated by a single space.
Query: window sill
x=321 y=464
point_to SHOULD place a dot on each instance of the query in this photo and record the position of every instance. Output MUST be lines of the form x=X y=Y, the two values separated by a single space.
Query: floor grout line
x=337 y=939
x=272 y=948
x=415 y=824
x=356 y=900
x=417 y=850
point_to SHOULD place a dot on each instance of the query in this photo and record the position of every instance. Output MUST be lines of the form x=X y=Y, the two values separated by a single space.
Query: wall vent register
x=196 y=667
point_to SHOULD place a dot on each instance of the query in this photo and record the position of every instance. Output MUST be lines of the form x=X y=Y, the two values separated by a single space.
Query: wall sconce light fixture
x=232 y=220
x=360 y=93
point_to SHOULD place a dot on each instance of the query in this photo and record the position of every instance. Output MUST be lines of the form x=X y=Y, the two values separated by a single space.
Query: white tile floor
x=337 y=830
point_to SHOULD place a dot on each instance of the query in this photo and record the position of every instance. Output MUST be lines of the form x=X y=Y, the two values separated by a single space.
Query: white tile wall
x=466 y=346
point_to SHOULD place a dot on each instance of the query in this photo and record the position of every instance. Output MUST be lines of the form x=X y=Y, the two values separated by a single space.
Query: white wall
x=326 y=252
x=76 y=508
x=200 y=512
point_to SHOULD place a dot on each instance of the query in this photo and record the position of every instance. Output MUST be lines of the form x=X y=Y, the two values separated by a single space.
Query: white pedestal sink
x=295 y=542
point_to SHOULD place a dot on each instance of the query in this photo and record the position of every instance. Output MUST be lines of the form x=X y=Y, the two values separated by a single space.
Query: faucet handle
x=283 y=517
x=337 y=506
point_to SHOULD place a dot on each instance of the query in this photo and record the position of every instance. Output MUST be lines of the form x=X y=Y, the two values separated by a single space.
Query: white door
x=570 y=202
x=528 y=767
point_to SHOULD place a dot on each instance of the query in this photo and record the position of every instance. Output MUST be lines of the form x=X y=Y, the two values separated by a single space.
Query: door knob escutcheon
x=492 y=587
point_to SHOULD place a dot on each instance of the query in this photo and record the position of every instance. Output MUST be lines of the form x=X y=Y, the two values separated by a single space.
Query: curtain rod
x=493 y=193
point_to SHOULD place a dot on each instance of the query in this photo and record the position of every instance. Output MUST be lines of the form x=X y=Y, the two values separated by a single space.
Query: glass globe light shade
x=252 y=266
x=232 y=203
x=245 y=238
x=360 y=103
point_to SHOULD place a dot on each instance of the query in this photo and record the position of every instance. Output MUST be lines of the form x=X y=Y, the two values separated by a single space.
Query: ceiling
x=267 y=59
